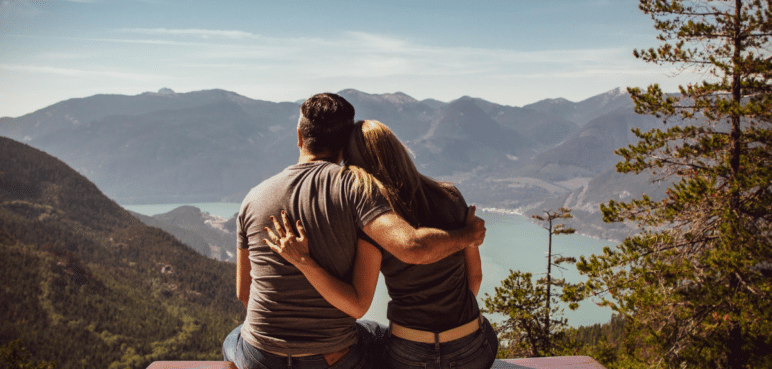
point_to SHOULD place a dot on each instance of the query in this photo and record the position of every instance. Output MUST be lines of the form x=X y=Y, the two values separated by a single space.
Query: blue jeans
x=365 y=354
x=475 y=351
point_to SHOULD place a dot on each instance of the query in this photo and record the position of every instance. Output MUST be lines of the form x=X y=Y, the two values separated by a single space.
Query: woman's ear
x=300 y=140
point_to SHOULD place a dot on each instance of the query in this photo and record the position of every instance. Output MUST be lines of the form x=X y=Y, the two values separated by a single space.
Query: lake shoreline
x=513 y=242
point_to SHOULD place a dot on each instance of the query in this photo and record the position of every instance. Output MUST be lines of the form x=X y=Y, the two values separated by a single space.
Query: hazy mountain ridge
x=406 y=116
x=215 y=145
x=208 y=234
x=544 y=128
x=465 y=138
x=586 y=110
x=590 y=151
x=199 y=146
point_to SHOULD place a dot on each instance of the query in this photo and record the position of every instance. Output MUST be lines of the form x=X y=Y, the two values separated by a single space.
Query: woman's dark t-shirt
x=433 y=297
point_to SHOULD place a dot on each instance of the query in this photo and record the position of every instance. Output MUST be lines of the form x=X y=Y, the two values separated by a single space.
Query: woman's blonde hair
x=379 y=161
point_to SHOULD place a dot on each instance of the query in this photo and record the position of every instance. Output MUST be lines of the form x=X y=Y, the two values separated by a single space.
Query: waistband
x=285 y=355
x=330 y=357
x=416 y=335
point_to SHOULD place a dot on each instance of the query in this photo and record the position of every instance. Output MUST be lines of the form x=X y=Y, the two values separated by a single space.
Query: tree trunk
x=548 y=339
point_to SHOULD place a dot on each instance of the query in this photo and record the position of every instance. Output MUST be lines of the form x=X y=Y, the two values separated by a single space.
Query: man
x=288 y=324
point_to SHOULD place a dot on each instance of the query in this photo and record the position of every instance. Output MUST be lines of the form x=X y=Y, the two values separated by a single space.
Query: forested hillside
x=85 y=284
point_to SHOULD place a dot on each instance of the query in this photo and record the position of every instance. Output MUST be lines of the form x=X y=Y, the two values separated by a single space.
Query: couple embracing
x=312 y=239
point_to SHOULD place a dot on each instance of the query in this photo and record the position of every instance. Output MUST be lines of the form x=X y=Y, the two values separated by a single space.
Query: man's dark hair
x=325 y=123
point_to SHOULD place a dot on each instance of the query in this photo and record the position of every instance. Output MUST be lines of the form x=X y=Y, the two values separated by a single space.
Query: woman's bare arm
x=353 y=300
x=473 y=268
x=424 y=245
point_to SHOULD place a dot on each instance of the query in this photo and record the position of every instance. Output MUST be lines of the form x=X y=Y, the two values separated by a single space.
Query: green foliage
x=534 y=326
x=85 y=293
x=607 y=343
x=14 y=356
x=524 y=332
x=695 y=283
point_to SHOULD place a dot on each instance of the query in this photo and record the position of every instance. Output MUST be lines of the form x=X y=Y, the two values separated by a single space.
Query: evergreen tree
x=534 y=326
x=550 y=216
x=694 y=283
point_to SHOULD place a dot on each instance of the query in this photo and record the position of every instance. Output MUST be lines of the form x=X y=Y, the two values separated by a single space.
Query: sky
x=511 y=52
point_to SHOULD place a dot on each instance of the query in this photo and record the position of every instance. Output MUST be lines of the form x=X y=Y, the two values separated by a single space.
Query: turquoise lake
x=511 y=242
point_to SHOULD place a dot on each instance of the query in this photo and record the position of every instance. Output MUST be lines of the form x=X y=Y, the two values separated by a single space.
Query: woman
x=434 y=318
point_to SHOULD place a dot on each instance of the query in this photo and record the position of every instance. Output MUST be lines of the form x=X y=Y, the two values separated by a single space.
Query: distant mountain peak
x=618 y=91
x=396 y=98
x=558 y=100
x=165 y=91
x=465 y=98
x=614 y=93
x=586 y=110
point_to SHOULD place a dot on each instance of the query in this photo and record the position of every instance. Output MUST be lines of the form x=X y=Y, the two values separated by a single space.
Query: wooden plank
x=559 y=362
x=556 y=362
x=192 y=365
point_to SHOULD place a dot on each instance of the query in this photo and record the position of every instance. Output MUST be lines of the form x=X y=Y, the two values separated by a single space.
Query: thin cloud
x=72 y=72
x=368 y=55
x=202 y=33
x=18 y=10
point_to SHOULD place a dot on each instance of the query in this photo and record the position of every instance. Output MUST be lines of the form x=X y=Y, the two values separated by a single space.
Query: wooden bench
x=558 y=362
x=192 y=365
x=555 y=362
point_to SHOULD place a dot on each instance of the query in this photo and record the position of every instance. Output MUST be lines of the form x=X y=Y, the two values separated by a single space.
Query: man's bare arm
x=424 y=245
x=243 y=278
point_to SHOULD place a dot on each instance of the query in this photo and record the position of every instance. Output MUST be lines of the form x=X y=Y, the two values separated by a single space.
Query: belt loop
x=289 y=361
x=437 y=347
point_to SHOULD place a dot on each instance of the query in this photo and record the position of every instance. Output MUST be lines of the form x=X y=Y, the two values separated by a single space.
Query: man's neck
x=306 y=157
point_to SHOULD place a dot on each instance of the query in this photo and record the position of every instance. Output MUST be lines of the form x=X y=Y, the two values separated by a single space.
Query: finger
x=277 y=225
x=483 y=230
x=271 y=235
x=287 y=223
x=301 y=231
x=470 y=214
x=274 y=247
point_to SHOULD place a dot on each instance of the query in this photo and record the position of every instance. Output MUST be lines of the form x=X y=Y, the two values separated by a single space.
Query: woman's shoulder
x=451 y=192
x=448 y=205
x=450 y=188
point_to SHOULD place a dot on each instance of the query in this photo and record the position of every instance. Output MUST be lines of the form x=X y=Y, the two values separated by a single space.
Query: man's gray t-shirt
x=285 y=313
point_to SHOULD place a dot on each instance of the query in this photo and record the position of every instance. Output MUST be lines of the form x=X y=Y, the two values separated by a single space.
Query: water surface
x=512 y=242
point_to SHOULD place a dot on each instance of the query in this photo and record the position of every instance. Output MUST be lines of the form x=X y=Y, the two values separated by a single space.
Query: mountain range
x=214 y=145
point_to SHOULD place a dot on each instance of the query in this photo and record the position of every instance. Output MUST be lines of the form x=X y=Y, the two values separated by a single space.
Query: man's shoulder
x=294 y=174
x=331 y=173
x=270 y=181
x=300 y=169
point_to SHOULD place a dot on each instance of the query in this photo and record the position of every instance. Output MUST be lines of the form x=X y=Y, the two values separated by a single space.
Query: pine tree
x=534 y=326
x=549 y=217
x=694 y=282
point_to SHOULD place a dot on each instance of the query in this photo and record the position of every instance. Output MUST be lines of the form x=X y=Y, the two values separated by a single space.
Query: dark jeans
x=365 y=354
x=475 y=351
